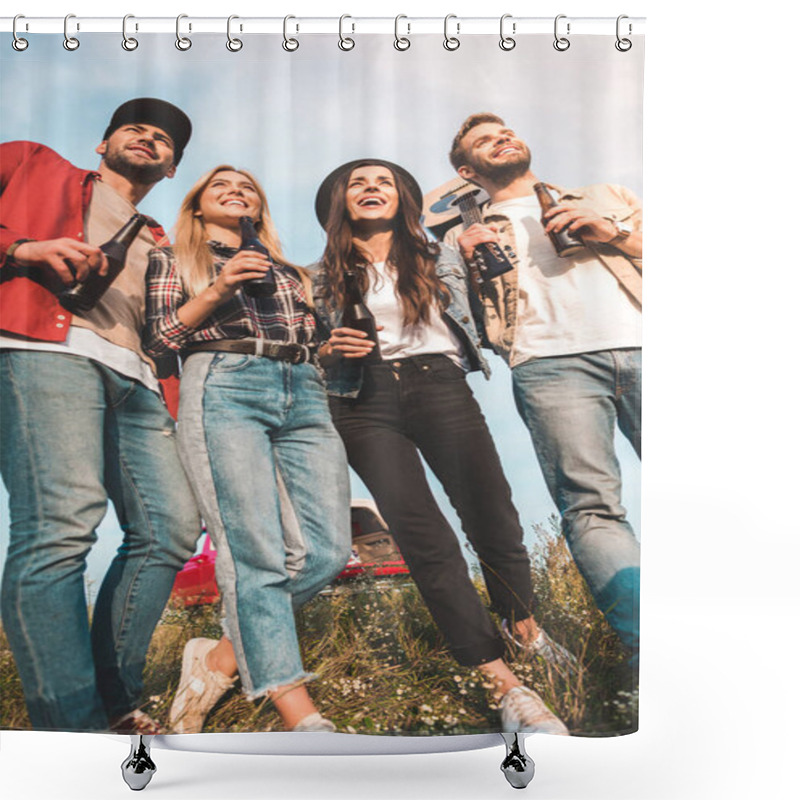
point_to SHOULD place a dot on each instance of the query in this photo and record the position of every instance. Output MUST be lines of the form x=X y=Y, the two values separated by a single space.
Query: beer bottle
x=265 y=285
x=488 y=257
x=355 y=314
x=564 y=242
x=83 y=296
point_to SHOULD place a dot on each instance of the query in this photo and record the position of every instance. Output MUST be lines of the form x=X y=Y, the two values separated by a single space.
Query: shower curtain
x=509 y=539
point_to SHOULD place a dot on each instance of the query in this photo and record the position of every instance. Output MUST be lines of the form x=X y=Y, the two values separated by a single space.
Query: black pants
x=424 y=405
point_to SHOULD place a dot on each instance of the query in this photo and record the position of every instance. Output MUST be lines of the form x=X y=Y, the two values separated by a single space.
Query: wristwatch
x=623 y=231
x=12 y=248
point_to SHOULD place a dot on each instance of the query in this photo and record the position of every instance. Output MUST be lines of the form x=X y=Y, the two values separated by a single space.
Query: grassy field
x=383 y=667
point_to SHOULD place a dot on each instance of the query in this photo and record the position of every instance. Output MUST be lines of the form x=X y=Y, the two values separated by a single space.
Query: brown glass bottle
x=83 y=296
x=355 y=314
x=265 y=285
x=564 y=242
x=488 y=257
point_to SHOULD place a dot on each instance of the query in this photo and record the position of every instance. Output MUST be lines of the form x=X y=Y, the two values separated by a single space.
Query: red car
x=374 y=553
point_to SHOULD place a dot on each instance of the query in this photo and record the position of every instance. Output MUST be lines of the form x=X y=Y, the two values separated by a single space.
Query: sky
x=292 y=118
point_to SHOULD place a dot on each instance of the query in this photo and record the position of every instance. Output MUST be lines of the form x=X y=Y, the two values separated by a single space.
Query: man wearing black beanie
x=82 y=422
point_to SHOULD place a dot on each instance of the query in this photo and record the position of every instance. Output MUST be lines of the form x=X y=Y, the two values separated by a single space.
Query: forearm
x=8 y=239
x=631 y=245
x=193 y=313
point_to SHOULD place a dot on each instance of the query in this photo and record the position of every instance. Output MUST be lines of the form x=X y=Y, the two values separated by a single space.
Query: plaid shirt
x=282 y=317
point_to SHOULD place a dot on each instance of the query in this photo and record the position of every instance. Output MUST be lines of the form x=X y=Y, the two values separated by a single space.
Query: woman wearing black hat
x=415 y=400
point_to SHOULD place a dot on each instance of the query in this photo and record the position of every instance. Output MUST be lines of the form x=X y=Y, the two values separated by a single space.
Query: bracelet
x=12 y=248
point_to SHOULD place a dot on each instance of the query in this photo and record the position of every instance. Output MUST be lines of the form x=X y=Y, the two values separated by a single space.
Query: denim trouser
x=269 y=473
x=74 y=434
x=423 y=405
x=571 y=405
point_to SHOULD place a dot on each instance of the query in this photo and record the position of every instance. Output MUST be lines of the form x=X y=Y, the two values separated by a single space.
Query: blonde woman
x=255 y=436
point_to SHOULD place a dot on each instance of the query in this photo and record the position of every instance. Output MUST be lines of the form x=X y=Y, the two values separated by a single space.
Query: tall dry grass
x=382 y=665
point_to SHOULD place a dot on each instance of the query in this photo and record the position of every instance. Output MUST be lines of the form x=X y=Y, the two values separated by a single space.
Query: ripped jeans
x=270 y=475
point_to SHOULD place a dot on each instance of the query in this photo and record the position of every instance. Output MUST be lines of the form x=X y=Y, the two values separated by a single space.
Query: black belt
x=293 y=353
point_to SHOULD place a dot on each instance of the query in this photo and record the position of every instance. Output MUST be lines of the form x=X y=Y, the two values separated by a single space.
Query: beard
x=118 y=162
x=506 y=171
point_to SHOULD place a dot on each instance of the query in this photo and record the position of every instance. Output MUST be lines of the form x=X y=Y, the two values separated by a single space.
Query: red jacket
x=42 y=196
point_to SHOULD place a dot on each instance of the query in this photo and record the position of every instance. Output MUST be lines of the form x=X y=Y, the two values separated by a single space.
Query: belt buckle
x=298 y=353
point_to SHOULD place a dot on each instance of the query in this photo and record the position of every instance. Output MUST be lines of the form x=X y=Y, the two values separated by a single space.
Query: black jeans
x=424 y=405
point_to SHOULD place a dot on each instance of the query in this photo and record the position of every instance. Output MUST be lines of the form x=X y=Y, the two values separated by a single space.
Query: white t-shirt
x=565 y=305
x=401 y=341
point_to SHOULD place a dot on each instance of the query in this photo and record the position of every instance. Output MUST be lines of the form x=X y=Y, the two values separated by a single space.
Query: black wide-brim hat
x=322 y=204
x=152 y=111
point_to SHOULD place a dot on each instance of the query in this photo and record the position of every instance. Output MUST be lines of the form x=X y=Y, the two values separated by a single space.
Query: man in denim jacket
x=570 y=329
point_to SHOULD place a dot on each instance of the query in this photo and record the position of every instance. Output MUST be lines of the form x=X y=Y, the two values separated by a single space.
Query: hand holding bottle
x=590 y=226
x=84 y=295
x=70 y=259
x=474 y=235
x=349 y=343
x=264 y=285
x=246 y=265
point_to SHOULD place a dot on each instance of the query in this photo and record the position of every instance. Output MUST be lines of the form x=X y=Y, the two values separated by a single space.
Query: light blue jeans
x=572 y=405
x=74 y=434
x=270 y=475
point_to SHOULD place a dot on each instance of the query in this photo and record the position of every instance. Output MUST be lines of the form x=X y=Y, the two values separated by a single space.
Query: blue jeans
x=270 y=475
x=571 y=405
x=74 y=434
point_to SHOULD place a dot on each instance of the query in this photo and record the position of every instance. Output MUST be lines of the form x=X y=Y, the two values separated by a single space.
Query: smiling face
x=493 y=151
x=371 y=195
x=228 y=196
x=141 y=153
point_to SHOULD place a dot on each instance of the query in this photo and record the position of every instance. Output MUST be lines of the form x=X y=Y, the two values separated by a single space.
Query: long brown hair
x=194 y=260
x=412 y=254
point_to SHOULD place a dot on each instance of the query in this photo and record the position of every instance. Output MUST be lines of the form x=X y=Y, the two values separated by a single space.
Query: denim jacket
x=344 y=376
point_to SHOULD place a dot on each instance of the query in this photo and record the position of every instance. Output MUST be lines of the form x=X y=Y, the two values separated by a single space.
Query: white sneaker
x=522 y=710
x=315 y=722
x=199 y=688
x=544 y=647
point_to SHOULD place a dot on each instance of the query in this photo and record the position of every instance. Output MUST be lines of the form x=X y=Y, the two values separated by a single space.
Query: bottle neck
x=544 y=195
x=130 y=230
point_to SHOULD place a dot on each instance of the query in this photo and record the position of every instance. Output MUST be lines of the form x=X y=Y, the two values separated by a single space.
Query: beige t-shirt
x=119 y=316
x=110 y=332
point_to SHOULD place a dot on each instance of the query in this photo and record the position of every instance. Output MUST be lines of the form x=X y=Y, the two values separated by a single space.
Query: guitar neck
x=470 y=211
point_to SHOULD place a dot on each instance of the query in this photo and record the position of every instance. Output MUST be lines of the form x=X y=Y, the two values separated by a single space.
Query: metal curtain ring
x=234 y=45
x=182 y=42
x=507 y=42
x=345 y=42
x=128 y=42
x=623 y=45
x=18 y=43
x=561 y=43
x=70 y=42
x=451 y=42
x=290 y=45
x=401 y=42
